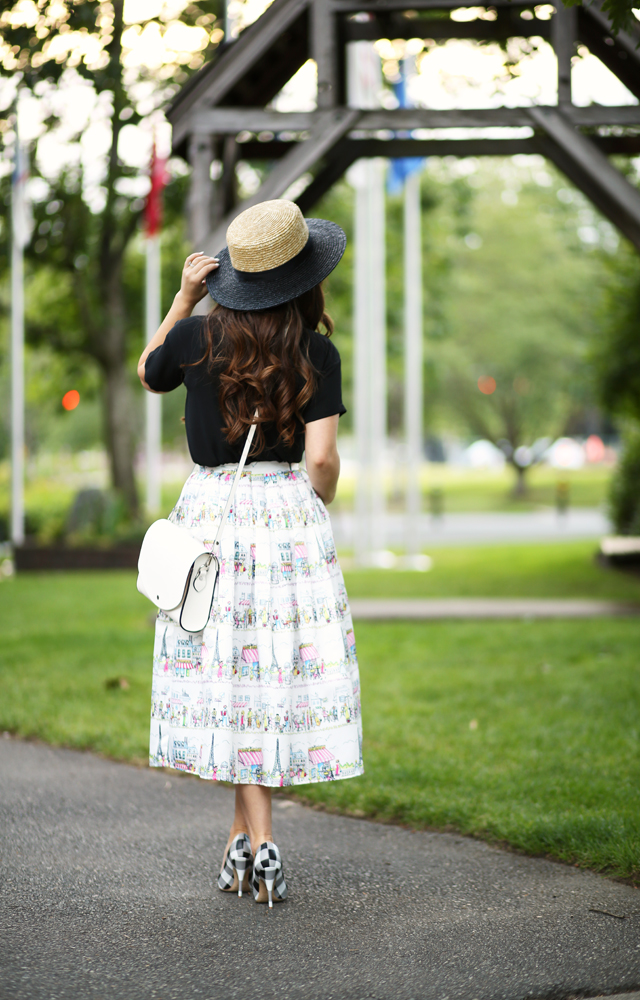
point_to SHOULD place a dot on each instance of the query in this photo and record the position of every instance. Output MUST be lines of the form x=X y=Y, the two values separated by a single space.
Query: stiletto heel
x=242 y=870
x=237 y=865
x=268 y=882
x=269 y=876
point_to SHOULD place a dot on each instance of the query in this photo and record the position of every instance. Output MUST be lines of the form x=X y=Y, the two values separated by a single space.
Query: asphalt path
x=108 y=891
x=440 y=609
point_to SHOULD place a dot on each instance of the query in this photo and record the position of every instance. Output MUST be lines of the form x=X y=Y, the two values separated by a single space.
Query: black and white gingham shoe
x=236 y=868
x=268 y=880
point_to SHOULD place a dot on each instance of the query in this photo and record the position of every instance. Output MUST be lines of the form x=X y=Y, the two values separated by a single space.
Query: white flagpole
x=153 y=402
x=413 y=356
x=19 y=237
x=363 y=540
x=364 y=82
x=378 y=349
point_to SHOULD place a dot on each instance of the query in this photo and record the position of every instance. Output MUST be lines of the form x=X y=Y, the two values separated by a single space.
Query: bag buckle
x=200 y=579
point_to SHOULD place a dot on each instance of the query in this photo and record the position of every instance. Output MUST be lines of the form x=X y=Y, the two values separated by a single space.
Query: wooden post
x=201 y=189
x=563 y=37
x=324 y=52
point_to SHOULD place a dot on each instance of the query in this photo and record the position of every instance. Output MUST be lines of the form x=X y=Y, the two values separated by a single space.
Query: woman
x=268 y=694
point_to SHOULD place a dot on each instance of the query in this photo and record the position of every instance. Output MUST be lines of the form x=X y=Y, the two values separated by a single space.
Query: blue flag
x=401 y=167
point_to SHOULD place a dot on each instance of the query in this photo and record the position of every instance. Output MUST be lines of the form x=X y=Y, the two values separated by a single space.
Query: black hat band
x=275 y=273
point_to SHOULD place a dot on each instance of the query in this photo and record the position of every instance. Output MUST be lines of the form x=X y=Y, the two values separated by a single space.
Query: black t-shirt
x=184 y=344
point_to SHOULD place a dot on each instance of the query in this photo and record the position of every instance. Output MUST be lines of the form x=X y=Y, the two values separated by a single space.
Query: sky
x=456 y=74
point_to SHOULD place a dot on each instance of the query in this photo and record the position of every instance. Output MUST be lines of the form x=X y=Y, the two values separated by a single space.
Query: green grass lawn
x=465 y=490
x=524 y=732
x=552 y=569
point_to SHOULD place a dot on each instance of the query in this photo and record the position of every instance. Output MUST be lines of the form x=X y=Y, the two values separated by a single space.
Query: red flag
x=153 y=208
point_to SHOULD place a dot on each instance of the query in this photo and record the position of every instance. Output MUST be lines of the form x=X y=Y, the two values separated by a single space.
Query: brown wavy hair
x=262 y=360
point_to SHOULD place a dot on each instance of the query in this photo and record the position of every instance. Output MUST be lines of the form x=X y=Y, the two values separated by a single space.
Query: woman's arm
x=321 y=455
x=192 y=288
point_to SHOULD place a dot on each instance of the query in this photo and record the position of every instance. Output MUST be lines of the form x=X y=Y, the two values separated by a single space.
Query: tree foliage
x=616 y=353
x=620 y=12
x=616 y=367
x=83 y=240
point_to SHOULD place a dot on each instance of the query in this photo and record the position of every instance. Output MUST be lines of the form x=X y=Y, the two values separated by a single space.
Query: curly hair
x=262 y=360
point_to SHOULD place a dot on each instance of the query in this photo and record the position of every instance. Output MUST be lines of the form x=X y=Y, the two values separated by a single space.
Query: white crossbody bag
x=176 y=572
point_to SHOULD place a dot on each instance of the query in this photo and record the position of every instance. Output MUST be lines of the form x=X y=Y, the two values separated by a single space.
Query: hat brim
x=265 y=289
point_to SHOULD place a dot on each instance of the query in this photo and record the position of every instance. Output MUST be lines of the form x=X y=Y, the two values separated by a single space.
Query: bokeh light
x=595 y=449
x=71 y=399
x=487 y=384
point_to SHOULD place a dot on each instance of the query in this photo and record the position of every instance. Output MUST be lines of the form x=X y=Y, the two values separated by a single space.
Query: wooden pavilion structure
x=222 y=113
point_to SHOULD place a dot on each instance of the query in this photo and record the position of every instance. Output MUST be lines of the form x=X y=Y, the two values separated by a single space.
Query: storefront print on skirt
x=269 y=692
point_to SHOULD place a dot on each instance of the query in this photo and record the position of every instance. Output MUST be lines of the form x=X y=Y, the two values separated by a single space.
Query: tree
x=81 y=241
x=616 y=365
x=616 y=351
x=520 y=312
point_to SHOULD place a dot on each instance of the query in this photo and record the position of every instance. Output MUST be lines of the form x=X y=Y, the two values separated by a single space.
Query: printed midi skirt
x=268 y=693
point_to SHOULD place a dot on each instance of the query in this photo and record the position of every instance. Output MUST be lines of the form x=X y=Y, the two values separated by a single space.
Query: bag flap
x=166 y=556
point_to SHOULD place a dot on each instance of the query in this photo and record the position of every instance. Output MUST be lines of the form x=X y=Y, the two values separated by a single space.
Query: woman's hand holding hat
x=193 y=285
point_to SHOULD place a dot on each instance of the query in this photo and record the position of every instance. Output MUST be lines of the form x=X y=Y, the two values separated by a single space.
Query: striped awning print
x=301 y=551
x=308 y=651
x=318 y=755
x=250 y=757
x=250 y=654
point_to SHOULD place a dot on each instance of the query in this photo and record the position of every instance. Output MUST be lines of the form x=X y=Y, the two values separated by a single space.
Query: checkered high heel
x=268 y=880
x=237 y=865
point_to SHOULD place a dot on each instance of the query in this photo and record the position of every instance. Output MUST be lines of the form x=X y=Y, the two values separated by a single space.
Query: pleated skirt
x=268 y=693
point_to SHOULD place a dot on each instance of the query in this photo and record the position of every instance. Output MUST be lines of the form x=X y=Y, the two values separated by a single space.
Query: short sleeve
x=327 y=398
x=163 y=371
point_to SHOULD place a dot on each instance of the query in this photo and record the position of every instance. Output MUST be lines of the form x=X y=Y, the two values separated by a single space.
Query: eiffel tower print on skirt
x=277 y=773
x=211 y=768
x=159 y=754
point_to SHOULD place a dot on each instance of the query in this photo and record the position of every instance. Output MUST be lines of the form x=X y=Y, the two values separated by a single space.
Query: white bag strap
x=236 y=480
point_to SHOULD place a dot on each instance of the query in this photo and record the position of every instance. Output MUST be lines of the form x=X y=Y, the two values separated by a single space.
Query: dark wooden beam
x=228 y=185
x=508 y=24
x=333 y=168
x=625 y=145
x=324 y=50
x=302 y=157
x=618 y=52
x=590 y=170
x=252 y=69
x=379 y=6
x=236 y=120
x=201 y=191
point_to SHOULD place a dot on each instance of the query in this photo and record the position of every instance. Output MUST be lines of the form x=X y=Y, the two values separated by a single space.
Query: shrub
x=624 y=495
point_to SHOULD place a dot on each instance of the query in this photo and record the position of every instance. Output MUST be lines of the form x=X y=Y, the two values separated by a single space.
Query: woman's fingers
x=201 y=269
x=203 y=262
x=200 y=265
x=192 y=257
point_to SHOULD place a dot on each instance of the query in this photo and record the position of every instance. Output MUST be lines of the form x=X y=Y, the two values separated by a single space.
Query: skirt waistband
x=259 y=468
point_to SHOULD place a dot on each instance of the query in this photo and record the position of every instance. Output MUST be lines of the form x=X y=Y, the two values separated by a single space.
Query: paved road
x=385 y=609
x=479 y=529
x=108 y=892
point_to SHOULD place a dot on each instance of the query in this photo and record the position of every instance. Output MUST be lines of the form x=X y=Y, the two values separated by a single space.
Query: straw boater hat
x=274 y=254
